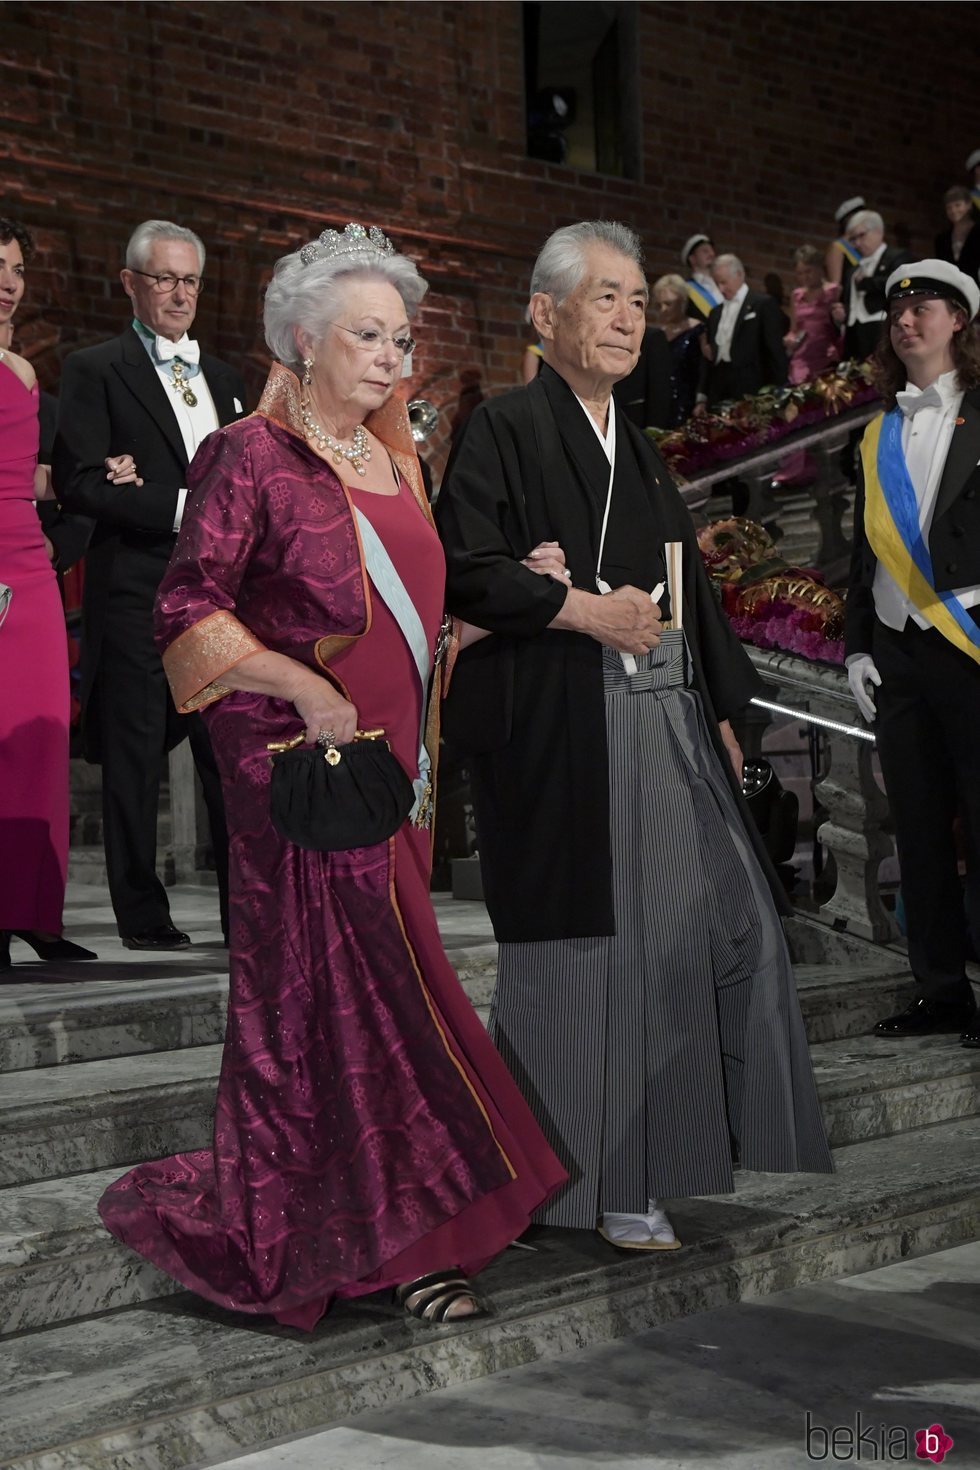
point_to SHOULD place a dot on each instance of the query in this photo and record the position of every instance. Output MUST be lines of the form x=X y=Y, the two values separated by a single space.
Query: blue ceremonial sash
x=891 y=524
x=847 y=250
x=701 y=296
x=975 y=195
x=396 y=597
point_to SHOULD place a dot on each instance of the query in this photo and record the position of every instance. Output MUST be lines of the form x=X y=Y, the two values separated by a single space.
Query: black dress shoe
x=926 y=1017
x=164 y=936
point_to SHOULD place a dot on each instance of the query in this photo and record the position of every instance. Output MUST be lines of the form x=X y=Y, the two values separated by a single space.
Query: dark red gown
x=366 y=1130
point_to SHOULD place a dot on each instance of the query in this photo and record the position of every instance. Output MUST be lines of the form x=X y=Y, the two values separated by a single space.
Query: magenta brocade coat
x=366 y=1131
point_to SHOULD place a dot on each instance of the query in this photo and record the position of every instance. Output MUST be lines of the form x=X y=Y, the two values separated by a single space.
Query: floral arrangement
x=763 y=418
x=770 y=604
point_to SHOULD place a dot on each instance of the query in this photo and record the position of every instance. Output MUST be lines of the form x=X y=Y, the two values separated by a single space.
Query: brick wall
x=256 y=123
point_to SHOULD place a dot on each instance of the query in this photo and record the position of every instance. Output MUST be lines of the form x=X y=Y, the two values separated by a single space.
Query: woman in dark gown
x=367 y=1133
x=684 y=334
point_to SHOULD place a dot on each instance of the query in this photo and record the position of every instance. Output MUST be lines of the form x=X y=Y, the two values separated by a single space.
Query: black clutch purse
x=334 y=797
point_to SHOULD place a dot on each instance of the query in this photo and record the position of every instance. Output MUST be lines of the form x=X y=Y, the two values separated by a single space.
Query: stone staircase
x=107 y=1366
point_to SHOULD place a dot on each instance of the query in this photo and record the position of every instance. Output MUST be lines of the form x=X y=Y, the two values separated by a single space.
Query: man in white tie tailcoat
x=912 y=625
x=153 y=394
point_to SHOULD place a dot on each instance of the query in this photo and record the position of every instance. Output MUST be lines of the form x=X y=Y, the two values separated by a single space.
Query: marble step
x=120 y=1007
x=93 y=1115
x=174 y=1383
x=123 y=1008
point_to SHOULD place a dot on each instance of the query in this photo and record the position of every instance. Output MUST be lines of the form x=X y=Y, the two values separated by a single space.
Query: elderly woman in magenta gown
x=367 y=1134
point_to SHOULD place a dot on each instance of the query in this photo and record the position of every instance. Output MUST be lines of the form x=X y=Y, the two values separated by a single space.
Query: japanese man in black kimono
x=645 y=1000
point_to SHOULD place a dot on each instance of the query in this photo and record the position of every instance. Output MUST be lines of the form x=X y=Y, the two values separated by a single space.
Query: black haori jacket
x=526 y=707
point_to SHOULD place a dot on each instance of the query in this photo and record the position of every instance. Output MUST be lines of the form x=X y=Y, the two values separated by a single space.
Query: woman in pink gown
x=814 y=342
x=34 y=691
x=366 y=1132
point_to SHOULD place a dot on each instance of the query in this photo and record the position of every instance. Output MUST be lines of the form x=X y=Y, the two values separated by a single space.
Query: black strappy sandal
x=431 y=1298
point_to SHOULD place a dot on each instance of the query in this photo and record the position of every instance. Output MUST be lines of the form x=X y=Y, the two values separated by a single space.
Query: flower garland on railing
x=763 y=418
x=770 y=604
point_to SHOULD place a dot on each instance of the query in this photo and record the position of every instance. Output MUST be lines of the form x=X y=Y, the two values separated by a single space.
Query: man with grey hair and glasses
x=645 y=1001
x=150 y=393
x=861 y=309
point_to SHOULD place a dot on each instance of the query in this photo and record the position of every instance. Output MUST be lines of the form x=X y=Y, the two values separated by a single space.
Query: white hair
x=561 y=264
x=145 y=236
x=728 y=263
x=311 y=296
x=866 y=219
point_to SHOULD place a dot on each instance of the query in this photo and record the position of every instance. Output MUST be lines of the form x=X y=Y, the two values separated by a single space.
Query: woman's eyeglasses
x=371 y=340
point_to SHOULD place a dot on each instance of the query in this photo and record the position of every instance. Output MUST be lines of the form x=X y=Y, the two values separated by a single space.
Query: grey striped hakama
x=648 y=1055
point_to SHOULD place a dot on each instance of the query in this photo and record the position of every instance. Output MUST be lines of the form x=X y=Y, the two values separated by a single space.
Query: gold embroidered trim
x=195 y=661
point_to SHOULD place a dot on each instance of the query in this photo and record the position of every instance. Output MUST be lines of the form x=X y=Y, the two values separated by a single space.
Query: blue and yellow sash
x=847 y=250
x=975 y=195
x=891 y=524
x=700 y=297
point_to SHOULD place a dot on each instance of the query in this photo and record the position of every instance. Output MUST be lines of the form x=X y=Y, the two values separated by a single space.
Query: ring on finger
x=325 y=738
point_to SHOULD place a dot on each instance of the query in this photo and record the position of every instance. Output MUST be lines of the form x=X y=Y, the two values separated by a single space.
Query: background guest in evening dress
x=960 y=242
x=367 y=1134
x=34 y=694
x=814 y=340
x=744 y=338
x=861 y=308
x=683 y=331
x=152 y=392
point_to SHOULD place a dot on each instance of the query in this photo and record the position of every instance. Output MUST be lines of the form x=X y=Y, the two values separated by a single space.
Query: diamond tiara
x=355 y=240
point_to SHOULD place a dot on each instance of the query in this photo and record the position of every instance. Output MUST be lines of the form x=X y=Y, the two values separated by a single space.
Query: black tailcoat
x=526 y=707
x=758 y=355
x=113 y=402
x=861 y=339
x=927 y=714
x=954 y=535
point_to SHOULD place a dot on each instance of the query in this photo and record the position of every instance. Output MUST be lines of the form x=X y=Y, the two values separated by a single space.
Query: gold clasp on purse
x=331 y=754
x=276 y=747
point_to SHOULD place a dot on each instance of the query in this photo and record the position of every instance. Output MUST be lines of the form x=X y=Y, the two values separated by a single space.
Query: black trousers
x=928 y=734
x=139 y=724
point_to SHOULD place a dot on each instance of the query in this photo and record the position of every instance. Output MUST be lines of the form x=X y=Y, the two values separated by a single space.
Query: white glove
x=861 y=674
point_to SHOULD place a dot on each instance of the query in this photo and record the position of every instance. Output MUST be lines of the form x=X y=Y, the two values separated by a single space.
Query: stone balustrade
x=856 y=806
x=823 y=443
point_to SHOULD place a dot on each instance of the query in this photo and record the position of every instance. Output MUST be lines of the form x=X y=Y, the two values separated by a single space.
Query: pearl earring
x=308 y=375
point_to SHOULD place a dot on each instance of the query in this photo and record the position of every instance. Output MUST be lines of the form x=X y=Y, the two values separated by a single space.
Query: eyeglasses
x=165 y=283
x=370 y=339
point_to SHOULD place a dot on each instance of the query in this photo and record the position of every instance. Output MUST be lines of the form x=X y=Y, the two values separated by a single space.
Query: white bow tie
x=165 y=351
x=915 y=398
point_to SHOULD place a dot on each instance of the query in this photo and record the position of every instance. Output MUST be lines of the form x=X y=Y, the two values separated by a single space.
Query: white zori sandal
x=650 y=1232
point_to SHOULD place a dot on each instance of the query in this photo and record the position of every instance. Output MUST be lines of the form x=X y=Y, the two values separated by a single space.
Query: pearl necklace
x=359 y=453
